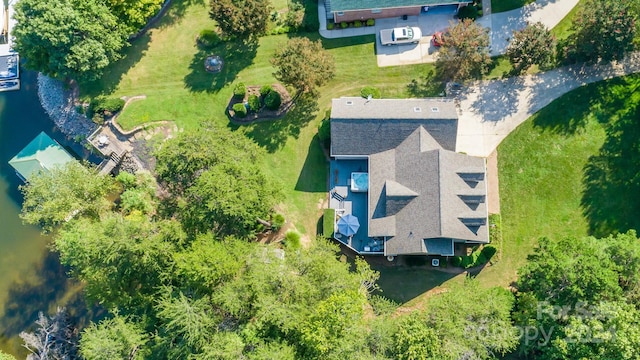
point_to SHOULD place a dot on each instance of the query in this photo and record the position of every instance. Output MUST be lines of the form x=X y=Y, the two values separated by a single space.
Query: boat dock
x=9 y=59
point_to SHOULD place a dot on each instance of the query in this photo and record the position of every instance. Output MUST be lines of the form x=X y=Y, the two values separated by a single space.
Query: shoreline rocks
x=58 y=103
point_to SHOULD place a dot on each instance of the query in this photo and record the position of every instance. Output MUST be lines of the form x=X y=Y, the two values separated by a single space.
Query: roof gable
x=383 y=124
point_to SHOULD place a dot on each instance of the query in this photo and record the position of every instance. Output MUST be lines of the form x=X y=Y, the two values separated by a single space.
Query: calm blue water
x=31 y=278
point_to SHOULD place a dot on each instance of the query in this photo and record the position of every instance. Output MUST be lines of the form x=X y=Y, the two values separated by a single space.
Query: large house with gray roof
x=350 y=10
x=394 y=168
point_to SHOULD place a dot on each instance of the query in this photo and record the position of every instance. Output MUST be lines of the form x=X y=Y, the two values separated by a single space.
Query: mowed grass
x=541 y=168
x=167 y=67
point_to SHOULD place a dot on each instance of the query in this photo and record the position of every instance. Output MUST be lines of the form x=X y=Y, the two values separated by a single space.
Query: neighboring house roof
x=382 y=124
x=418 y=195
x=42 y=153
x=347 y=5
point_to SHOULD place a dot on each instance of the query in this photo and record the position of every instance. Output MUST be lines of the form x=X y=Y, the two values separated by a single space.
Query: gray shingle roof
x=382 y=124
x=437 y=211
x=346 y=5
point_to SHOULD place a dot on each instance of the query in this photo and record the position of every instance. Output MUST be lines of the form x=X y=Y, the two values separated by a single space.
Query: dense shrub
x=382 y=306
x=240 y=110
x=324 y=130
x=292 y=239
x=488 y=251
x=277 y=222
x=370 y=90
x=265 y=89
x=357 y=23
x=208 y=38
x=239 y=91
x=468 y=12
x=344 y=25
x=254 y=103
x=330 y=26
x=105 y=106
x=328 y=219
x=272 y=100
x=456 y=261
x=371 y=22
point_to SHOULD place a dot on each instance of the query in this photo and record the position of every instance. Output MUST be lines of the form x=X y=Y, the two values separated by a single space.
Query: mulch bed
x=263 y=114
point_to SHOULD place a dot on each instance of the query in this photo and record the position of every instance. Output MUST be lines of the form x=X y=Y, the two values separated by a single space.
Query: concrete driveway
x=424 y=52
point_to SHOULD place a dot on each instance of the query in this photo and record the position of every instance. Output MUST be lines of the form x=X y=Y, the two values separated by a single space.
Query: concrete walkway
x=490 y=110
x=502 y=25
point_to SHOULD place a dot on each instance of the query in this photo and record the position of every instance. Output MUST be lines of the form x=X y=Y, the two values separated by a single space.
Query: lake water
x=31 y=278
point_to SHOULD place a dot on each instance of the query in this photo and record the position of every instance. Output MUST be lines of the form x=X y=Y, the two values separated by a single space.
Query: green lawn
x=541 y=167
x=167 y=67
x=506 y=5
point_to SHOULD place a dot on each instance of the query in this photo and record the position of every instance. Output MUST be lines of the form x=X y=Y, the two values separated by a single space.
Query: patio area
x=347 y=201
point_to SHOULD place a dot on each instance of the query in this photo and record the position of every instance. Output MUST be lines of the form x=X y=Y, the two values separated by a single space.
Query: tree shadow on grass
x=568 y=114
x=114 y=72
x=175 y=12
x=313 y=176
x=273 y=134
x=426 y=86
x=611 y=197
x=236 y=55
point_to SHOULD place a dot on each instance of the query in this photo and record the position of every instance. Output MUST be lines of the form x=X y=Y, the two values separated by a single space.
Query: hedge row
x=477 y=257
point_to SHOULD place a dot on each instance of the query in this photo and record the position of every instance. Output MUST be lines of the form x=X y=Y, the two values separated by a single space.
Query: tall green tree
x=469 y=330
x=124 y=261
x=242 y=18
x=578 y=299
x=53 y=197
x=215 y=176
x=68 y=39
x=112 y=339
x=533 y=45
x=464 y=53
x=414 y=340
x=603 y=30
x=303 y=64
x=134 y=14
x=570 y=270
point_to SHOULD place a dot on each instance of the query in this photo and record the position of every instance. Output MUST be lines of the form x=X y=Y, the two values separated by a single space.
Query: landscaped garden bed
x=255 y=103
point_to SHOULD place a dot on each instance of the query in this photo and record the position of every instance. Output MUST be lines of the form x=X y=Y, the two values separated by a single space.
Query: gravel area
x=59 y=105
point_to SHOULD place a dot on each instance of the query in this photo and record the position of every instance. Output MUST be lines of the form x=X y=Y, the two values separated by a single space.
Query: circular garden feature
x=213 y=63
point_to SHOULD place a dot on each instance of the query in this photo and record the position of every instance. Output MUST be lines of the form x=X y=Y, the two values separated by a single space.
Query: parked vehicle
x=401 y=35
x=437 y=39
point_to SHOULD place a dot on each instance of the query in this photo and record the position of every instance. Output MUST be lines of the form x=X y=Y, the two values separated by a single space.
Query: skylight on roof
x=349 y=102
x=417 y=109
x=435 y=109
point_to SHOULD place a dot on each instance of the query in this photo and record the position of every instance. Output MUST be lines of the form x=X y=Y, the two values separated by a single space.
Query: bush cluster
x=272 y=100
x=240 y=110
x=324 y=130
x=354 y=24
x=277 y=222
x=100 y=107
x=472 y=11
x=370 y=90
x=292 y=239
x=240 y=90
x=254 y=103
x=477 y=257
x=265 y=89
x=208 y=38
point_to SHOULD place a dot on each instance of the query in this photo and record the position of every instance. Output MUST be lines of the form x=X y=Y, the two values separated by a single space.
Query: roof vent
x=435 y=109
x=349 y=102
x=417 y=109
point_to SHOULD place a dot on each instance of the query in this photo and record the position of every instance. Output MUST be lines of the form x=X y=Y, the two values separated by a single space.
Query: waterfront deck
x=112 y=148
x=9 y=59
